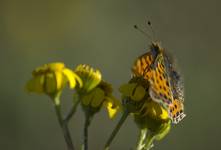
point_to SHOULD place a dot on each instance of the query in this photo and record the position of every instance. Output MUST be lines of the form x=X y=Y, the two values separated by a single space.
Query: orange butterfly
x=166 y=85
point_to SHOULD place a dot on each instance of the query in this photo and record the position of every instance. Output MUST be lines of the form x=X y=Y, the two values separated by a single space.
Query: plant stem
x=71 y=112
x=116 y=129
x=149 y=141
x=142 y=136
x=86 y=125
x=63 y=124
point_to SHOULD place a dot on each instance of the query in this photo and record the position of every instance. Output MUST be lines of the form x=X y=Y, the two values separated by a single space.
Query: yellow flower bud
x=90 y=77
x=155 y=119
x=112 y=105
x=147 y=113
x=135 y=91
x=95 y=92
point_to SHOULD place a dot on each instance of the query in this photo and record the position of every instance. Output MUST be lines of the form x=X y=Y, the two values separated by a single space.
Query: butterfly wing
x=141 y=67
x=166 y=84
x=160 y=89
x=177 y=107
x=167 y=88
x=177 y=85
x=176 y=111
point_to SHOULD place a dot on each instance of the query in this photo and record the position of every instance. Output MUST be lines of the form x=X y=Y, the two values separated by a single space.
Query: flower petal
x=50 y=83
x=156 y=111
x=59 y=80
x=164 y=115
x=139 y=93
x=90 y=77
x=78 y=79
x=112 y=105
x=127 y=89
x=70 y=77
x=56 y=66
x=93 y=79
x=36 y=84
x=112 y=111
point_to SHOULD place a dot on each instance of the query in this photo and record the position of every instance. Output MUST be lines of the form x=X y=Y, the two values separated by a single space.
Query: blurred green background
x=100 y=33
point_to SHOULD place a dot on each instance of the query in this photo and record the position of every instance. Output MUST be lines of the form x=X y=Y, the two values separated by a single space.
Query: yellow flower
x=90 y=77
x=95 y=92
x=154 y=118
x=52 y=78
x=138 y=96
x=154 y=110
x=112 y=105
x=147 y=113
x=110 y=102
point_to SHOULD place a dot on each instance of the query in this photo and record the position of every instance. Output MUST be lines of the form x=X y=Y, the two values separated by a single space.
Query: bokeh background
x=101 y=33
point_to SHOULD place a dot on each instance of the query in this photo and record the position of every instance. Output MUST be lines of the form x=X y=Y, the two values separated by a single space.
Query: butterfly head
x=156 y=49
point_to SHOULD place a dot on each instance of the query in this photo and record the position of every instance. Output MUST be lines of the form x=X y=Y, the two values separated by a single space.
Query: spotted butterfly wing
x=177 y=107
x=177 y=85
x=166 y=86
x=142 y=65
x=160 y=89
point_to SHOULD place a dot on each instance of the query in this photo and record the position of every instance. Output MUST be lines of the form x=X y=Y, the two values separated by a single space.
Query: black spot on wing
x=160 y=77
x=175 y=106
x=164 y=88
x=177 y=114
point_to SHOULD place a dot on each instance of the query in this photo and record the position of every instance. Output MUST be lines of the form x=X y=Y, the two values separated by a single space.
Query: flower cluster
x=93 y=93
x=149 y=115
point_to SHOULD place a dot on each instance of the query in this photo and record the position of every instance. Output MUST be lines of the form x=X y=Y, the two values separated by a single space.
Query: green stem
x=63 y=124
x=86 y=125
x=142 y=136
x=149 y=141
x=116 y=129
x=71 y=112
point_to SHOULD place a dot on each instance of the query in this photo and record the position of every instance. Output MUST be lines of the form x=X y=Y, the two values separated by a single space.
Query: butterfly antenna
x=141 y=31
x=151 y=28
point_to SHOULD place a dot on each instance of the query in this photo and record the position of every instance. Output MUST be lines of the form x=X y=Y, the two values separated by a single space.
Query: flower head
x=132 y=96
x=90 y=77
x=52 y=78
x=147 y=113
x=151 y=116
x=95 y=92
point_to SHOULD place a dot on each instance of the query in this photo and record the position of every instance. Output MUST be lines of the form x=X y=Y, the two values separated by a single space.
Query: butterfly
x=166 y=84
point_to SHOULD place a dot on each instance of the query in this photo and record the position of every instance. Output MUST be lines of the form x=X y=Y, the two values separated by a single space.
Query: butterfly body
x=166 y=86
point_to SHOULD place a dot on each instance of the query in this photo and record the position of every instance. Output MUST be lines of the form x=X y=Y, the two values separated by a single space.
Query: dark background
x=100 y=33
